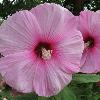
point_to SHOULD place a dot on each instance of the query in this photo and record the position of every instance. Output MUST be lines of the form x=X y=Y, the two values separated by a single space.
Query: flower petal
x=87 y=63
x=54 y=20
x=69 y=51
x=17 y=71
x=16 y=34
x=51 y=81
x=84 y=23
x=96 y=56
x=95 y=25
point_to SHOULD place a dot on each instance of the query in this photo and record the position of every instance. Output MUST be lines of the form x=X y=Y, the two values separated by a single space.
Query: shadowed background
x=8 y=7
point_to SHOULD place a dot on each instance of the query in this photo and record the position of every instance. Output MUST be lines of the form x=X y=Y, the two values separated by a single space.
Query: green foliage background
x=83 y=86
x=8 y=7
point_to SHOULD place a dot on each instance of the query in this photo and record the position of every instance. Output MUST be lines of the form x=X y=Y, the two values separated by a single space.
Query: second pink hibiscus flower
x=89 y=25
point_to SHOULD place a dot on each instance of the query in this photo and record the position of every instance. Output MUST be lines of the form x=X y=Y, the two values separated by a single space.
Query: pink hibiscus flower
x=42 y=49
x=89 y=25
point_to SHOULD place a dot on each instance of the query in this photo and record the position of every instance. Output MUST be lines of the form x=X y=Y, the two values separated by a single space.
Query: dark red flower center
x=43 y=50
x=89 y=42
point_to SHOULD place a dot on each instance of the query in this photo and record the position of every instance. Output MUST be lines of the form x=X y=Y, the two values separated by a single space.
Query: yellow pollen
x=46 y=54
x=87 y=44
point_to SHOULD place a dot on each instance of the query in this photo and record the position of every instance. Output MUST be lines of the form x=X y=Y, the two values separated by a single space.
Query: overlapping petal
x=18 y=71
x=53 y=20
x=52 y=79
x=16 y=34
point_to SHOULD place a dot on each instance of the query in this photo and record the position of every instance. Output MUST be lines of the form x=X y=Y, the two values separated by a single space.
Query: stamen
x=87 y=44
x=46 y=54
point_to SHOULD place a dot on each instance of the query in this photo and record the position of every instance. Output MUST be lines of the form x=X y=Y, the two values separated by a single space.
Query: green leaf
x=66 y=94
x=86 y=78
x=96 y=97
x=42 y=98
x=83 y=91
x=30 y=96
x=5 y=93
